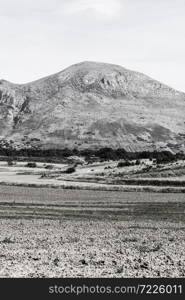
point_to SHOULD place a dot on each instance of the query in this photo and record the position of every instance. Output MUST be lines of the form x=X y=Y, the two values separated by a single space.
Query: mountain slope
x=93 y=105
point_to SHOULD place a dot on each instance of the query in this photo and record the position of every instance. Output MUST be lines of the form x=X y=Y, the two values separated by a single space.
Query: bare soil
x=66 y=233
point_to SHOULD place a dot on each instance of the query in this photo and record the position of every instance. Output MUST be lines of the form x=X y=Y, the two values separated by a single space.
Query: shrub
x=44 y=175
x=31 y=165
x=7 y=240
x=165 y=159
x=108 y=167
x=70 y=170
x=49 y=167
x=125 y=163
x=148 y=168
x=10 y=162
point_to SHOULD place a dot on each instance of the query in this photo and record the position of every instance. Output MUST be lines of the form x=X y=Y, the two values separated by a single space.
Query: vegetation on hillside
x=102 y=154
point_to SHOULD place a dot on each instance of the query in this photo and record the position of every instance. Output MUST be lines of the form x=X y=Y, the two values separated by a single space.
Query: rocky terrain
x=92 y=105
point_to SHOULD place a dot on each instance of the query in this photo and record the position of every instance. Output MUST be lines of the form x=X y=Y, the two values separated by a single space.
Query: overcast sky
x=41 y=37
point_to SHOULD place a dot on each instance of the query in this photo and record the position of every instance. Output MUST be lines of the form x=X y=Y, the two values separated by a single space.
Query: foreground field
x=65 y=233
x=89 y=248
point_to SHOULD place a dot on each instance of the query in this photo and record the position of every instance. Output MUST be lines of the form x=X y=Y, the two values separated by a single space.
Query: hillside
x=93 y=105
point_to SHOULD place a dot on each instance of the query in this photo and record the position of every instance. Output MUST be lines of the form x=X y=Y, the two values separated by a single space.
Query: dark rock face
x=93 y=105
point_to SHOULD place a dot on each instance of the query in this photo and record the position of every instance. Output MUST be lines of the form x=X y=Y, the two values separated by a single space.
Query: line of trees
x=102 y=154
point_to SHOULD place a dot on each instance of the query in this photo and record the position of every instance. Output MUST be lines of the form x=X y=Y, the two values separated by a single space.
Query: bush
x=49 y=167
x=165 y=158
x=148 y=168
x=137 y=162
x=125 y=163
x=10 y=162
x=70 y=170
x=31 y=165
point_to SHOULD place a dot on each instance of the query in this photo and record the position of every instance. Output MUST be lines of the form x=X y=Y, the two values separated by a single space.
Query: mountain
x=93 y=105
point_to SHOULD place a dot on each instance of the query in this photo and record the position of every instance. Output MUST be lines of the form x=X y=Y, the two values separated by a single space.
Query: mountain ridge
x=93 y=105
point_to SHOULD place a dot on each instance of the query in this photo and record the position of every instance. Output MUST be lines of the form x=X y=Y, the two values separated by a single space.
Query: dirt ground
x=66 y=233
x=91 y=248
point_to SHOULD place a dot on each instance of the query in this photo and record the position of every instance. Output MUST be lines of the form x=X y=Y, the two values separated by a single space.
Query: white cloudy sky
x=41 y=37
